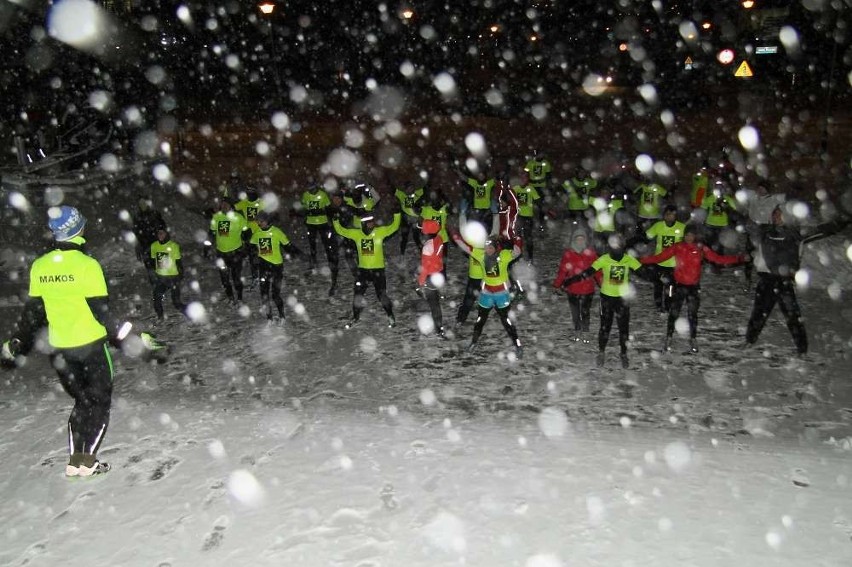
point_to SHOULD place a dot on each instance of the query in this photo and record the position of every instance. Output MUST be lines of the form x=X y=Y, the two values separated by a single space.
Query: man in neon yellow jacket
x=369 y=243
x=68 y=294
x=168 y=272
x=268 y=241
x=313 y=206
x=229 y=232
x=665 y=233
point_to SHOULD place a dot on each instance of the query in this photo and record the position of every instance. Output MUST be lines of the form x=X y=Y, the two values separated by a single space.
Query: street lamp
x=748 y=4
x=267 y=8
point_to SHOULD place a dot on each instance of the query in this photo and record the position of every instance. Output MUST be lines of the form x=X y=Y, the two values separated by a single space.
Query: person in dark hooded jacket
x=780 y=245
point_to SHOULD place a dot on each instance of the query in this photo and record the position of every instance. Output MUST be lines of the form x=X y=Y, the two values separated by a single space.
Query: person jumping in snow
x=495 y=291
x=688 y=256
x=369 y=242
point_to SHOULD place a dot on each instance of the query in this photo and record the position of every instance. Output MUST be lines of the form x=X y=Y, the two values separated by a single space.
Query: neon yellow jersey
x=616 y=274
x=605 y=213
x=717 y=209
x=527 y=196
x=498 y=274
x=269 y=243
x=165 y=257
x=366 y=205
x=228 y=230
x=481 y=193
x=538 y=171
x=664 y=236
x=429 y=212
x=315 y=205
x=370 y=247
x=579 y=191
x=407 y=201
x=63 y=279
x=249 y=210
x=476 y=264
x=650 y=200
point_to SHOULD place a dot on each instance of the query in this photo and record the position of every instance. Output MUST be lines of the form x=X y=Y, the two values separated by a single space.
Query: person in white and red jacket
x=507 y=212
x=430 y=277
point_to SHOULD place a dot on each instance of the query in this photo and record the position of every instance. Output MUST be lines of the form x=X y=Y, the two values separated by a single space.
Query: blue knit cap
x=65 y=222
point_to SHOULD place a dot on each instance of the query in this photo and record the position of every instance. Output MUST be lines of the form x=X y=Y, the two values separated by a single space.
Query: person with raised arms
x=369 y=243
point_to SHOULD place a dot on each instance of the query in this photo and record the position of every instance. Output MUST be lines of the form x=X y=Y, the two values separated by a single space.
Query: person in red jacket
x=689 y=256
x=576 y=259
x=430 y=277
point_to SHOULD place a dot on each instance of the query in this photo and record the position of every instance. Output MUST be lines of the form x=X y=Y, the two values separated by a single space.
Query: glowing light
x=267 y=7
x=748 y=4
x=726 y=56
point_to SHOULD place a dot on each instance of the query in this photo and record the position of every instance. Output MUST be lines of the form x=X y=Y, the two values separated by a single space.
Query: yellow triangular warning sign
x=688 y=62
x=744 y=70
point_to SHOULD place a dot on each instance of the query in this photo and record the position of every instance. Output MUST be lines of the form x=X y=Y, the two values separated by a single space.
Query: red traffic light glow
x=726 y=56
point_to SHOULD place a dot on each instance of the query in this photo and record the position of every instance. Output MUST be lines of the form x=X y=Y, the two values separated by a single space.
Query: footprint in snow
x=214 y=538
x=163 y=467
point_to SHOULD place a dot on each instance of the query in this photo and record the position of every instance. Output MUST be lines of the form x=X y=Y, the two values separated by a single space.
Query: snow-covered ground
x=309 y=445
